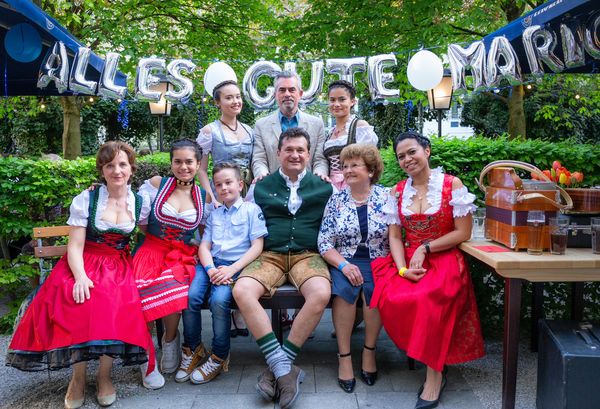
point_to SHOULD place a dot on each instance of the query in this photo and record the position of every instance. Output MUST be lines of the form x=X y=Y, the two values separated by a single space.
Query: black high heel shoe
x=235 y=331
x=347 y=385
x=368 y=377
x=430 y=404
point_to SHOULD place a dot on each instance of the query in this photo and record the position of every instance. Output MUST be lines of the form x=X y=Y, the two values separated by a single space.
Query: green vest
x=289 y=232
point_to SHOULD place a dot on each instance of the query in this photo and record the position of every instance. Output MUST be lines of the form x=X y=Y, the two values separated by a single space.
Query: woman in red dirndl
x=428 y=306
x=164 y=265
x=89 y=307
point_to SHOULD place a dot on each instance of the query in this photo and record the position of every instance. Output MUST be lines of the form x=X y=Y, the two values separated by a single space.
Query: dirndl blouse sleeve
x=78 y=211
x=462 y=202
x=366 y=134
x=204 y=140
x=390 y=211
x=148 y=192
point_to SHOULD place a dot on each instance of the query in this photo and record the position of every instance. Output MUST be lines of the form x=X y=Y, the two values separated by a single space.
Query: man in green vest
x=292 y=200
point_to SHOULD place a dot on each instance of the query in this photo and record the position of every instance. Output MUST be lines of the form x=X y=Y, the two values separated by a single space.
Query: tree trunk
x=517 y=128
x=71 y=137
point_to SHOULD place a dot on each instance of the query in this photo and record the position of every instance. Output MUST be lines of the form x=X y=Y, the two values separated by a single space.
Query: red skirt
x=163 y=271
x=435 y=320
x=55 y=332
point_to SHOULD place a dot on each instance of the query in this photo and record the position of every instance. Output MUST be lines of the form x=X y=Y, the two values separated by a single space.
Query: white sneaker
x=190 y=361
x=209 y=370
x=169 y=362
x=154 y=380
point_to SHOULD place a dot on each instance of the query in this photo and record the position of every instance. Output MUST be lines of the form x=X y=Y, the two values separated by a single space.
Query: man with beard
x=288 y=91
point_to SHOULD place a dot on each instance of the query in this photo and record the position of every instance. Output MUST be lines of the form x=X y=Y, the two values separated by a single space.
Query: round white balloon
x=216 y=73
x=425 y=70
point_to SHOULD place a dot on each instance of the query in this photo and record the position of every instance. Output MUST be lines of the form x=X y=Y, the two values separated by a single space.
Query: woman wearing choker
x=354 y=231
x=226 y=139
x=423 y=289
x=348 y=128
x=88 y=308
x=164 y=265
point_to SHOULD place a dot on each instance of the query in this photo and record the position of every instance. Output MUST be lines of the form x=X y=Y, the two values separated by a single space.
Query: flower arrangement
x=561 y=175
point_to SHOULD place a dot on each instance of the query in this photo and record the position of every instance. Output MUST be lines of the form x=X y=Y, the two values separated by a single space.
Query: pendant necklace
x=230 y=128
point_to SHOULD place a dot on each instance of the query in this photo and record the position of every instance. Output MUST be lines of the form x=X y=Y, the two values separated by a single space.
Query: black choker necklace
x=182 y=183
x=230 y=128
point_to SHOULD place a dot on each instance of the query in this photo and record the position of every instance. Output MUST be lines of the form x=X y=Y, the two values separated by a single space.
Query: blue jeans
x=219 y=301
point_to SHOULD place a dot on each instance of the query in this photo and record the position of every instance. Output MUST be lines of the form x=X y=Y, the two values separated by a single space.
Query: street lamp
x=440 y=98
x=161 y=108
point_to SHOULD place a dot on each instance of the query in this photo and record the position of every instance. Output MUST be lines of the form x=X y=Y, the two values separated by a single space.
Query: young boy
x=233 y=237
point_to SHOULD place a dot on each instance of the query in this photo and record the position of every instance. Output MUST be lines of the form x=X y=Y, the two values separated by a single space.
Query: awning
x=574 y=14
x=26 y=34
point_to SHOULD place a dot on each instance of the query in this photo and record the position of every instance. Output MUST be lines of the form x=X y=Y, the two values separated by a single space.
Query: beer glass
x=478 y=231
x=559 y=230
x=535 y=223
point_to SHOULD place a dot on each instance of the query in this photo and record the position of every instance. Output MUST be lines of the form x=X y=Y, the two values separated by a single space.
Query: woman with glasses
x=348 y=129
x=354 y=231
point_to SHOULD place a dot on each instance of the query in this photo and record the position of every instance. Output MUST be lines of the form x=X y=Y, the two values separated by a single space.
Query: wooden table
x=577 y=265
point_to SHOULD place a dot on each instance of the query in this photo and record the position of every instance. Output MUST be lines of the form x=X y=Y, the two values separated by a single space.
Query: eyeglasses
x=352 y=167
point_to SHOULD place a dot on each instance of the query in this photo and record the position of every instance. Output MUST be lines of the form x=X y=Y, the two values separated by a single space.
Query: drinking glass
x=559 y=231
x=595 y=222
x=478 y=231
x=535 y=222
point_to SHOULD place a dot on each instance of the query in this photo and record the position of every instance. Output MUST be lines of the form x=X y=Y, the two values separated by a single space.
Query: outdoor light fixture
x=440 y=97
x=161 y=108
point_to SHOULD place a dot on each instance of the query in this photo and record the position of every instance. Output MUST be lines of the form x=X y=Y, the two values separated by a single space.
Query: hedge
x=39 y=192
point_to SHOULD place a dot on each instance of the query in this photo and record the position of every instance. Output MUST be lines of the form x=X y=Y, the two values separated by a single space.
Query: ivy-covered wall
x=39 y=192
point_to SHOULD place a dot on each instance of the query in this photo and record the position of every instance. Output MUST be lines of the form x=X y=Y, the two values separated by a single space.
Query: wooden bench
x=286 y=297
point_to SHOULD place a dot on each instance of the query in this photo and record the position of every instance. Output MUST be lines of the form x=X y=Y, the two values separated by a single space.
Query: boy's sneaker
x=209 y=369
x=169 y=362
x=190 y=361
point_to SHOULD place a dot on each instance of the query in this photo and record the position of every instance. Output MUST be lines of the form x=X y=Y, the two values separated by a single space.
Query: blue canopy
x=26 y=34
x=550 y=15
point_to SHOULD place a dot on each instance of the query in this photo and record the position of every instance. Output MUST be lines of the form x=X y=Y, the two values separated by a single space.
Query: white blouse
x=364 y=134
x=79 y=210
x=149 y=192
x=461 y=202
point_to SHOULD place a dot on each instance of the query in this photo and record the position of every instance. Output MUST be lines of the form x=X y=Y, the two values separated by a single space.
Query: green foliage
x=36 y=193
x=466 y=158
x=15 y=276
x=551 y=109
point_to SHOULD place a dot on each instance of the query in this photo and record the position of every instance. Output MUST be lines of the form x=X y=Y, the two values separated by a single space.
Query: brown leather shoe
x=288 y=387
x=266 y=385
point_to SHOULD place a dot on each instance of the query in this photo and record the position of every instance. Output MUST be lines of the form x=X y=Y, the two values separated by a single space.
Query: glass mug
x=559 y=233
x=535 y=223
x=478 y=231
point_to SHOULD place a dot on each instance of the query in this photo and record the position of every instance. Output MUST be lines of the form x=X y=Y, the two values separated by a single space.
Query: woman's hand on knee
x=353 y=274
